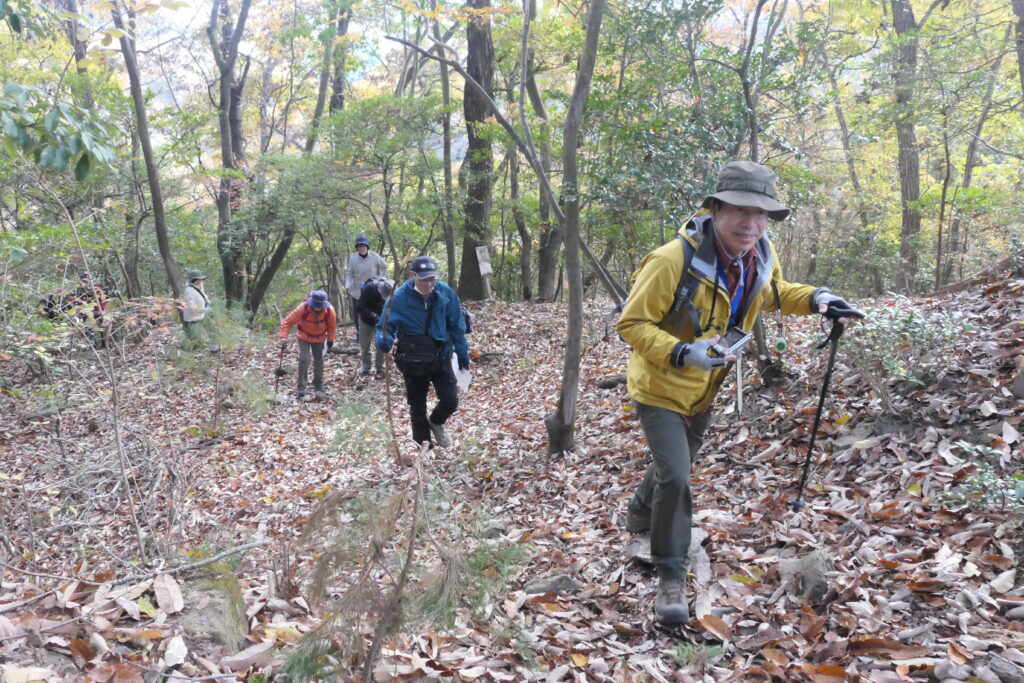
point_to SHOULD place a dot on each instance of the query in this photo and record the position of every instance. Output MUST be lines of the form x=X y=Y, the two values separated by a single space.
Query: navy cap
x=318 y=300
x=423 y=267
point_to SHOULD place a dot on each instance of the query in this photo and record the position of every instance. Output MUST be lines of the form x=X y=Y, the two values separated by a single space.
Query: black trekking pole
x=836 y=332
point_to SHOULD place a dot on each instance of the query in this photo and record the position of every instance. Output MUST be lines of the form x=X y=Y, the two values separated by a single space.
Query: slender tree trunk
x=525 y=241
x=340 y=54
x=448 y=210
x=942 y=202
x=561 y=423
x=971 y=157
x=321 y=91
x=142 y=123
x=551 y=230
x=230 y=240
x=479 y=160
x=1018 y=29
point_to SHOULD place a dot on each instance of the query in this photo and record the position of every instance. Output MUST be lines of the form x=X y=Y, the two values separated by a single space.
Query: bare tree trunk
x=321 y=91
x=942 y=202
x=971 y=158
x=142 y=123
x=479 y=159
x=561 y=424
x=448 y=210
x=905 y=70
x=525 y=242
x=230 y=241
x=1018 y=29
x=340 y=54
x=551 y=231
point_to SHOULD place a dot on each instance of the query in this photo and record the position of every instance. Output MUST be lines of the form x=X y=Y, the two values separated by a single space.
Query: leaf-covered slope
x=905 y=561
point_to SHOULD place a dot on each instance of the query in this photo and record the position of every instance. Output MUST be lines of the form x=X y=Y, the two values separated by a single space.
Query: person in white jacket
x=362 y=265
x=196 y=303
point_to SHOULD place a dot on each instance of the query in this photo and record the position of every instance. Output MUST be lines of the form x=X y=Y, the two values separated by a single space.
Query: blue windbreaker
x=408 y=316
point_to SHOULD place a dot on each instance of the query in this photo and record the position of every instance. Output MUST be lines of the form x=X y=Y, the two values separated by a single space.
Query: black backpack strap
x=686 y=288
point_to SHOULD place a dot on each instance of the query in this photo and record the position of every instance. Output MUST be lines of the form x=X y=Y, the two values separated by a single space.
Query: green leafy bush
x=902 y=342
x=986 y=487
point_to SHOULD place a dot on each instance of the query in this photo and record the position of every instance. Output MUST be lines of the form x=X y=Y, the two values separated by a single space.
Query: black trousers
x=416 y=389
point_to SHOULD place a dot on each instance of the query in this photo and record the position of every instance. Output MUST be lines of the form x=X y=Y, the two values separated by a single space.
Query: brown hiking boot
x=670 y=602
x=637 y=523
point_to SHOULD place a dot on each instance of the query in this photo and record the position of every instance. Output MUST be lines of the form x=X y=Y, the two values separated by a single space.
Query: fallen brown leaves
x=910 y=584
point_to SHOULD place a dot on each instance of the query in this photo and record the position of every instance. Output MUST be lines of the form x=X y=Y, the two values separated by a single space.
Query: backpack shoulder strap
x=686 y=288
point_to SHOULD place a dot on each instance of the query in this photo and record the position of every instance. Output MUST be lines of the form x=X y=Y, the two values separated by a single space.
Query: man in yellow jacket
x=678 y=365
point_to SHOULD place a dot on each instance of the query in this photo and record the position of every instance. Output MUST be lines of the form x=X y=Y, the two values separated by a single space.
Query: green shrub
x=902 y=342
x=986 y=487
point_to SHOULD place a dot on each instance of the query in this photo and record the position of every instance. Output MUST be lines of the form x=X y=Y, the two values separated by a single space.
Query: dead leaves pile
x=884 y=576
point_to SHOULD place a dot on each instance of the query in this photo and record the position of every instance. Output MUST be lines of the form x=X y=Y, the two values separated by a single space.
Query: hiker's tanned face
x=739 y=227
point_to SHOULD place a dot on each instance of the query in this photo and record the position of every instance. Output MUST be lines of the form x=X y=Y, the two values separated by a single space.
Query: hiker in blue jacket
x=424 y=316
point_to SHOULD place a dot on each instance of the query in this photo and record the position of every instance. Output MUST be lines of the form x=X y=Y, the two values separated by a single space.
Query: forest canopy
x=277 y=133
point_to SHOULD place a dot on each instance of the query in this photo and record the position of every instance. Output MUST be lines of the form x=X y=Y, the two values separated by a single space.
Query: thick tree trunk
x=142 y=123
x=561 y=424
x=479 y=159
x=905 y=71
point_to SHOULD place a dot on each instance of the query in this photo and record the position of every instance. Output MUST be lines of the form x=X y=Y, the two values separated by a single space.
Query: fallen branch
x=195 y=565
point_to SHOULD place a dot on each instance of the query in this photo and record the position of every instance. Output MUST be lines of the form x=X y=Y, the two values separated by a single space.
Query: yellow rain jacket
x=651 y=379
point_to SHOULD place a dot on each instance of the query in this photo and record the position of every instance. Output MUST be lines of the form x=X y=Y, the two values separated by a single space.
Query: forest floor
x=150 y=531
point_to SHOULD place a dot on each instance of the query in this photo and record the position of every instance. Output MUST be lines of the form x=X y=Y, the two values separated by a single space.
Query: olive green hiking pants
x=664 y=495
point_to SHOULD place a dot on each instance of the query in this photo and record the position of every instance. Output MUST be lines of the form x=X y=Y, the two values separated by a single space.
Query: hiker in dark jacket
x=372 y=296
x=317 y=323
x=425 y=317
x=677 y=364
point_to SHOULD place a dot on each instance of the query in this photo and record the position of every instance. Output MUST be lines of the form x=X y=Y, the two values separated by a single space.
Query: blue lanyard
x=738 y=296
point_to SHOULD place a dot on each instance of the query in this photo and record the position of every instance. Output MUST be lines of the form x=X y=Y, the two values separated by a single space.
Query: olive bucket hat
x=194 y=275
x=746 y=183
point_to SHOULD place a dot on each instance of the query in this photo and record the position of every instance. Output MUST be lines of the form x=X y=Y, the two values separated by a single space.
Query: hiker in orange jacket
x=317 y=322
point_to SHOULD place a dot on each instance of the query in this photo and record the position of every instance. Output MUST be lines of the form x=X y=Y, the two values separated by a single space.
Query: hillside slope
x=905 y=562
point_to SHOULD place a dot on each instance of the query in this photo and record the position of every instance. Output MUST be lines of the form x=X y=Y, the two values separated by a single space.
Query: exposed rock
x=1007 y=671
x=611 y=382
x=1016 y=387
x=222 y=618
x=563 y=584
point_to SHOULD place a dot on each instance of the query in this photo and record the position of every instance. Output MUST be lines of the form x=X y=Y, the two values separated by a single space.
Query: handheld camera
x=734 y=340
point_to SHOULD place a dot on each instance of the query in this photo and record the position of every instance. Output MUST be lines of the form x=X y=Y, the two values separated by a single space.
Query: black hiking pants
x=416 y=389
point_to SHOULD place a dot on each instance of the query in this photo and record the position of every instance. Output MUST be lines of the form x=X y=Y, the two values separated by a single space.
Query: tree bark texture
x=230 y=240
x=561 y=423
x=479 y=157
x=525 y=241
x=550 y=246
x=448 y=210
x=1018 y=29
x=905 y=72
x=142 y=123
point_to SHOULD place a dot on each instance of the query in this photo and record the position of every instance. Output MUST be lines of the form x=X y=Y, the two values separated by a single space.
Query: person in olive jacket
x=677 y=364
